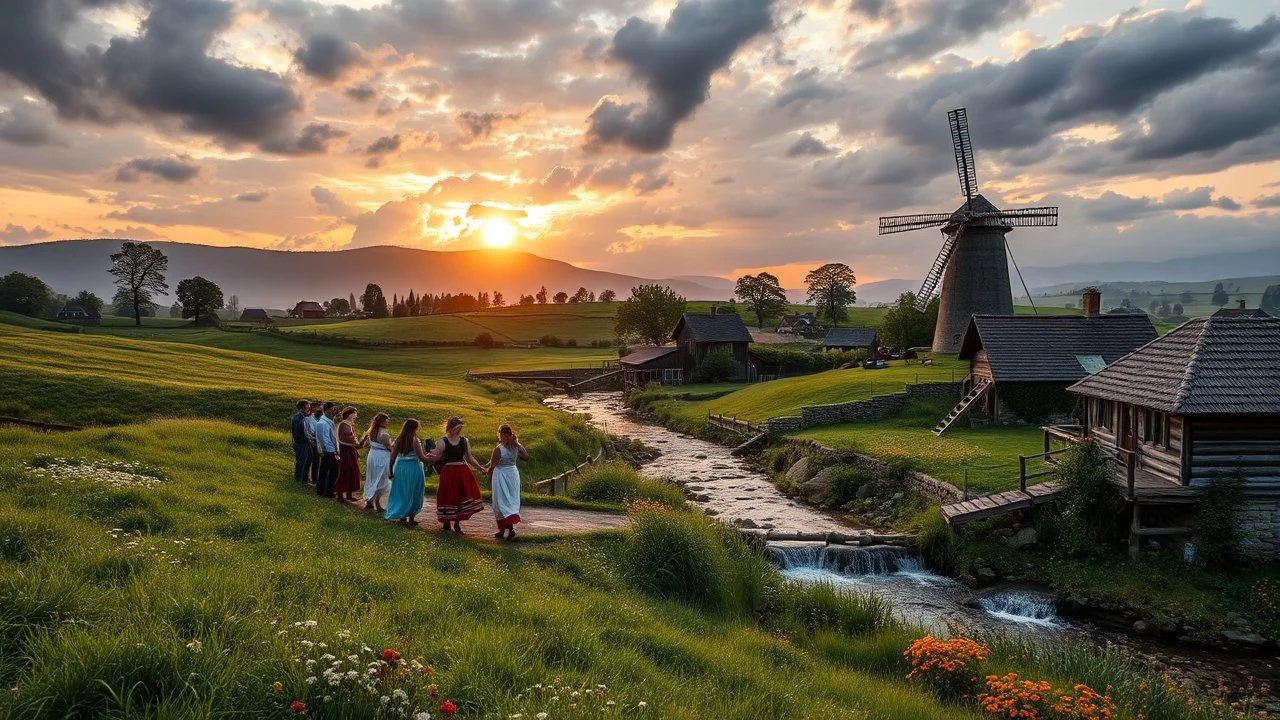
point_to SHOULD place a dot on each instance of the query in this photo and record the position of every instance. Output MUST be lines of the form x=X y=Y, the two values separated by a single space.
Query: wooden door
x=1126 y=427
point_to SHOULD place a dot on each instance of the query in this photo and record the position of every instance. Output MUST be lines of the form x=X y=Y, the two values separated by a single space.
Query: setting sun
x=498 y=233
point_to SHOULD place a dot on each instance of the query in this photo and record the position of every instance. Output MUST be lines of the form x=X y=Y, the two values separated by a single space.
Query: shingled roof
x=857 y=337
x=646 y=354
x=720 y=327
x=1206 y=365
x=1048 y=348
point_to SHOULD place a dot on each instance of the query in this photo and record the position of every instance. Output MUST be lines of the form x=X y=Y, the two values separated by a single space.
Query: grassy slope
x=90 y=380
x=229 y=553
x=34 y=323
x=583 y=322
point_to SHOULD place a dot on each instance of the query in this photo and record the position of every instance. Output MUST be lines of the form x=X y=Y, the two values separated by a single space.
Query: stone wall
x=878 y=407
x=927 y=486
x=1260 y=528
x=784 y=425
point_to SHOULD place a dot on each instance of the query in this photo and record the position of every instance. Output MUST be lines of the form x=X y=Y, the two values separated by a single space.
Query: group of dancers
x=327 y=455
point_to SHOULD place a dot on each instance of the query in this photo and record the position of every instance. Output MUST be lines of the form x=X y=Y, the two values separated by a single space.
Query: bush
x=484 y=340
x=933 y=537
x=718 y=366
x=1218 y=521
x=843 y=483
x=617 y=482
x=1087 y=510
x=683 y=555
x=551 y=341
x=792 y=360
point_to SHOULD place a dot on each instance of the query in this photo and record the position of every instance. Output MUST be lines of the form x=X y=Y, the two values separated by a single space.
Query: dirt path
x=534 y=521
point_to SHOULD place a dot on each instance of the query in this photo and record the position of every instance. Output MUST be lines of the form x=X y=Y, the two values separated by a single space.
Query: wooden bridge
x=1028 y=495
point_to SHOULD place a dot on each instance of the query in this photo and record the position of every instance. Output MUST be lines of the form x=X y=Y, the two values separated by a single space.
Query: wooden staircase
x=966 y=402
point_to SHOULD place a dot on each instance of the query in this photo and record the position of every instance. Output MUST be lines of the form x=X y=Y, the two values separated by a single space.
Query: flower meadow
x=113 y=473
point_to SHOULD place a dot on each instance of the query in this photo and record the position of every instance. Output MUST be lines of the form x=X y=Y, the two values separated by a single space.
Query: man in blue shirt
x=327 y=444
x=301 y=446
x=313 y=452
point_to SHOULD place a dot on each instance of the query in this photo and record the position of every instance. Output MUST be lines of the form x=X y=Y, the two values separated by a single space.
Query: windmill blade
x=935 y=273
x=1021 y=217
x=963 y=147
x=904 y=223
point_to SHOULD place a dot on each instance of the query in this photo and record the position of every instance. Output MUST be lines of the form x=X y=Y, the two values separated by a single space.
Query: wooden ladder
x=965 y=403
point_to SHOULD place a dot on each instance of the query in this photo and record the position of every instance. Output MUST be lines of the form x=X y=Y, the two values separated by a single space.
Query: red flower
x=391 y=656
x=298 y=706
x=448 y=708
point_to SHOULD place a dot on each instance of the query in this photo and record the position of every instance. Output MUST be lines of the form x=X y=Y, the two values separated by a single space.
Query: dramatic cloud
x=255 y=196
x=327 y=56
x=15 y=234
x=364 y=92
x=23 y=126
x=477 y=211
x=804 y=87
x=398 y=222
x=478 y=126
x=380 y=148
x=314 y=139
x=1266 y=201
x=329 y=202
x=807 y=144
x=935 y=25
x=170 y=169
x=674 y=64
x=1112 y=207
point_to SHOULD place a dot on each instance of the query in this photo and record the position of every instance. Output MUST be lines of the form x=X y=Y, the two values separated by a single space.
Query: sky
x=701 y=137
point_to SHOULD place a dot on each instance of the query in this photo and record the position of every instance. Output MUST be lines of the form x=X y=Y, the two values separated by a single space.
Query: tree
x=1219 y=295
x=233 y=304
x=1164 y=310
x=608 y=296
x=338 y=307
x=1177 y=309
x=200 y=299
x=498 y=300
x=1186 y=297
x=1271 y=300
x=1154 y=307
x=24 y=294
x=526 y=299
x=831 y=289
x=583 y=295
x=351 y=301
x=763 y=295
x=542 y=295
x=718 y=366
x=175 y=310
x=122 y=305
x=904 y=327
x=89 y=301
x=561 y=297
x=650 y=314
x=374 y=302
x=139 y=270
x=1126 y=303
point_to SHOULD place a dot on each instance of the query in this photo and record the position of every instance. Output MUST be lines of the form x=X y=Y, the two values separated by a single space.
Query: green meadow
x=582 y=322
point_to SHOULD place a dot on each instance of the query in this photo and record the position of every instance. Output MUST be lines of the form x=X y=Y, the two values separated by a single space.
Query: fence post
x=1022 y=473
x=965 y=488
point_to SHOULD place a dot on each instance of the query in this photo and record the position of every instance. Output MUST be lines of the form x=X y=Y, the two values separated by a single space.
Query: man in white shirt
x=309 y=429
x=327 y=443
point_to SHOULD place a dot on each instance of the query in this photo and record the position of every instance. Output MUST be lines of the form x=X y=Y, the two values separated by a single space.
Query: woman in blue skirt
x=407 y=478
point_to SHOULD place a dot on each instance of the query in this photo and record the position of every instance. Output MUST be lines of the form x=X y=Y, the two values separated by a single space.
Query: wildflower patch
x=113 y=473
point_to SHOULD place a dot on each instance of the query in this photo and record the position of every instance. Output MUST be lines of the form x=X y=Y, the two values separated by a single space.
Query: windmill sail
x=905 y=223
x=935 y=273
x=963 y=147
x=1019 y=217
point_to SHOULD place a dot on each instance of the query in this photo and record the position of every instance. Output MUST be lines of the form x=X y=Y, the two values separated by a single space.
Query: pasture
x=583 y=323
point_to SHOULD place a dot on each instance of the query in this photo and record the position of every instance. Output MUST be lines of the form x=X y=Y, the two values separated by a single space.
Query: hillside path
x=534 y=521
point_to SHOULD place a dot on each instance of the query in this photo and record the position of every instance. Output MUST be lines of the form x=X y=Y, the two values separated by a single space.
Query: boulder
x=1141 y=626
x=865 y=491
x=797 y=473
x=746 y=523
x=898 y=496
x=814 y=490
x=985 y=575
x=1242 y=637
x=1024 y=537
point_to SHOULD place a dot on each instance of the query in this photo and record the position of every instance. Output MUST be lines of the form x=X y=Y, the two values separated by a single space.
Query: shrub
x=933 y=537
x=718 y=366
x=780 y=458
x=484 y=340
x=617 y=482
x=1218 y=520
x=1087 y=510
x=792 y=360
x=683 y=555
x=843 y=483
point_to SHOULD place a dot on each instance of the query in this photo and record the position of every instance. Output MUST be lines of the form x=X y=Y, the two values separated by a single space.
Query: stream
x=737 y=492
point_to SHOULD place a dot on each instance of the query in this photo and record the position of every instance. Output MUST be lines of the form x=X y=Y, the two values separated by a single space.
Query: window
x=1101 y=415
x=671 y=376
x=1155 y=428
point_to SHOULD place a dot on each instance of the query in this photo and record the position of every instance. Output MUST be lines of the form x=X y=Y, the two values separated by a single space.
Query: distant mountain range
x=278 y=279
x=1252 y=263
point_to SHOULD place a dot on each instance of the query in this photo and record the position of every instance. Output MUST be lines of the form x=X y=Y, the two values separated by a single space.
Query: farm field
x=581 y=322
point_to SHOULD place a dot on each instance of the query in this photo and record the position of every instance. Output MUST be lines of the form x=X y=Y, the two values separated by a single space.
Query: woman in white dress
x=377 y=467
x=504 y=481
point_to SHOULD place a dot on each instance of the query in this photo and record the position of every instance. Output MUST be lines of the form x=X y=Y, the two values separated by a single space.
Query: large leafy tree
x=561 y=297
x=374 y=302
x=763 y=295
x=650 y=314
x=139 y=271
x=831 y=289
x=200 y=299
x=1220 y=295
x=541 y=295
x=904 y=326
x=338 y=307
x=24 y=294
x=608 y=296
x=583 y=295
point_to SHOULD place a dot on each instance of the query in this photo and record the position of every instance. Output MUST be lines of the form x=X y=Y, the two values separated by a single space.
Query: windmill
x=971 y=263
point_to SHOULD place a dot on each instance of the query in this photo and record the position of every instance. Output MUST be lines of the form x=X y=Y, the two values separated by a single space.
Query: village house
x=1021 y=365
x=650 y=365
x=798 y=324
x=77 y=314
x=1200 y=403
x=255 y=315
x=697 y=335
x=307 y=310
x=854 y=338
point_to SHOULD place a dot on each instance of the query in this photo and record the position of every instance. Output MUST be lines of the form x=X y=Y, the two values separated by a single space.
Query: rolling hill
x=273 y=278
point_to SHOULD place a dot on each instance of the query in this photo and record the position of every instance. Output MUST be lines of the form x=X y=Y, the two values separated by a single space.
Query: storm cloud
x=327 y=56
x=170 y=169
x=935 y=26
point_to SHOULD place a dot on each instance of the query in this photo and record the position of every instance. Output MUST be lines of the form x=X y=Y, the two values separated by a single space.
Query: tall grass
x=616 y=482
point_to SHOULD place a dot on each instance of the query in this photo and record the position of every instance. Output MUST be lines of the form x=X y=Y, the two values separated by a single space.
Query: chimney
x=1092 y=302
x=1240 y=304
x=713 y=311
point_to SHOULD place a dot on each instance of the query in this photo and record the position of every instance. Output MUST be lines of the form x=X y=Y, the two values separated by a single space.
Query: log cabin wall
x=1224 y=444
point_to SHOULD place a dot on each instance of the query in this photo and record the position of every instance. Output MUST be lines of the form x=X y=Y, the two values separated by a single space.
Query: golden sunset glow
x=498 y=233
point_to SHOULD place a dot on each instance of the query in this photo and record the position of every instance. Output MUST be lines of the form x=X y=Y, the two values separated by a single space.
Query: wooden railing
x=559 y=484
x=742 y=427
x=1024 y=476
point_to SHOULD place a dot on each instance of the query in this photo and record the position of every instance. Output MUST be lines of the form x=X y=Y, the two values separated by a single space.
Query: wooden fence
x=559 y=484
x=742 y=427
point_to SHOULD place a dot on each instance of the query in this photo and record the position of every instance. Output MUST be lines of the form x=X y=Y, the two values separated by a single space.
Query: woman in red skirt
x=348 y=457
x=458 y=497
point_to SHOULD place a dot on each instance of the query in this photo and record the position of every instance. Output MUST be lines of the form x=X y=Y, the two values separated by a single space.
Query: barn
x=307 y=309
x=853 y=338
x=697 y=335
x=652 y=365
x=254 y=315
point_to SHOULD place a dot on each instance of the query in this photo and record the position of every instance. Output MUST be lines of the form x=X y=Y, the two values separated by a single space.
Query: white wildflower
x=401 y=694
x=195 y=646
x=642 y=704
x=541 y=716
x=312 y=680
x=422 y=716
x=385 y=699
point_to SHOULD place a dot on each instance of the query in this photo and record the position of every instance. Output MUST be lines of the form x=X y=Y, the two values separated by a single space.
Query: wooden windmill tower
x=971 y=263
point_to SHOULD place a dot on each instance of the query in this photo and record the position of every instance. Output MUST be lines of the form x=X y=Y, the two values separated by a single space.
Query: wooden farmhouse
x=307 y=309
x=254 y=315
x=697 y=335
x=650 y=364
x=1021 y=365
x=1199 y=403
x=798 y=324
x=855 y=338
x=77 y=314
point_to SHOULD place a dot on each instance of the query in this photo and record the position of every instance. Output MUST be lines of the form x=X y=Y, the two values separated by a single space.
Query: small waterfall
x=1020 y=608
x=847 y=561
